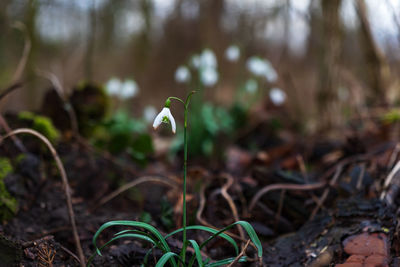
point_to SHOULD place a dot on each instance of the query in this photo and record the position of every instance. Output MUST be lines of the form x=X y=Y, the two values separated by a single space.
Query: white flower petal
x=158 y=119
x=113 y=86
x=209 y=76
x=172 y=120
x=165 y=112
x=232 y=53
x=182 y=74
x=277 y=96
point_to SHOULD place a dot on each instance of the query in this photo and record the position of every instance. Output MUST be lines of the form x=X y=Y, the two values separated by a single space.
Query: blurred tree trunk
x=142 y=44
x=376 y=68
x=329 y=64
x=211 y=12
x=91 y=41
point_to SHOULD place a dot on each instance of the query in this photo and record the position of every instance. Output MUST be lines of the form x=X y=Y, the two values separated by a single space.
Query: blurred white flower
x=149 y=113
x=182 y=74
x=209 y=76
x=195 y=61
x=113 y=86
x=122 y=90
x=208 y=59
x=262 y=67
x=166 y=117
x=251 y=86
x=129 y=89
x=277 y=96
x=232 y=53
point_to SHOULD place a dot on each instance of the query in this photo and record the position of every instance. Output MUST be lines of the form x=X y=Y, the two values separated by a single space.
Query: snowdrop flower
x=165 y=116
x=251 y=86
x=262 y=67
x=113 y=86
x=149 y=113
x=195 y=61
x=209 y=76
x=232 y=53
x=277 y=96
x=182 y=74
x=208 y=59
x=129 y=89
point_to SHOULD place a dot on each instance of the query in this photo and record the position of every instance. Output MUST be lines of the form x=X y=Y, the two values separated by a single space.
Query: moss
x=5 y=168
x=8 y=204
x=41 y=124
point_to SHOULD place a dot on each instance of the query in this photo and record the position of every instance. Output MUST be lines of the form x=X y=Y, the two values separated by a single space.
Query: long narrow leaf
x=250 y=231
x=164 y=246
x=210 y=230
x=139 y=236
x=225 y=261
x=166 y=257
x=197 y=253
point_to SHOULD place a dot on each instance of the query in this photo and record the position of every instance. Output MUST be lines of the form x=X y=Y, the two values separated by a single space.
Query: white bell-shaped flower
x=166 y=117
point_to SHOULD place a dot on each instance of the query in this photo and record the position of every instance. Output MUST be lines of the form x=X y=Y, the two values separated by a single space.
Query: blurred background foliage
x=308 y=64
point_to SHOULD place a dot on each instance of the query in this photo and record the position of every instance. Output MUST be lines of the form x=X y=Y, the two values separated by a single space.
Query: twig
x=268 y=188
x=240 y=254
x=228 y=198
x=63 y=96
x=16 y=140
x=280 y=207
x=64 y=178
x=144 y=179
x=9 y=89
x=389 y=179
x=325 y=194
x=25 y=54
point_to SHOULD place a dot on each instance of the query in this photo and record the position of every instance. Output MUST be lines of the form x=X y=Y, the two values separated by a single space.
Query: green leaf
x=197 y=253
x=166 y=257
x=246 y=226
x=160 y=241
x=225 y=262
x=210 y=230
x=125 y=235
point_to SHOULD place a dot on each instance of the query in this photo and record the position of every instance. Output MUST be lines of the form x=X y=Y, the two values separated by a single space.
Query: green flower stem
x=185 y=149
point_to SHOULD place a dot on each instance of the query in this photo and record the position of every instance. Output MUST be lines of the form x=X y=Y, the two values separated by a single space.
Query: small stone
x=366 y=244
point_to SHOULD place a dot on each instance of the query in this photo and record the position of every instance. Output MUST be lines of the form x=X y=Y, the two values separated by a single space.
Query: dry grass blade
x=25 y=54
x=17 y=142
x=64 y=178
x=144 y=179
x=240 y=254
x=63 y=96
x=268 y=188
x=321 y=201
x=228 y=198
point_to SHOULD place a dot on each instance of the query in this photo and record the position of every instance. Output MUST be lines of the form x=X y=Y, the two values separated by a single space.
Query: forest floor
x=312 y=201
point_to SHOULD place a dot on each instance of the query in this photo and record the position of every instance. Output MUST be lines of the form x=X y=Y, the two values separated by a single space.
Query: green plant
x=146 y=232
x=42 y=124
x=8 y=204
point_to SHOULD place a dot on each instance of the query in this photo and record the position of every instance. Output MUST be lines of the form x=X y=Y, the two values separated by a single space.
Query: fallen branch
x=64 y=178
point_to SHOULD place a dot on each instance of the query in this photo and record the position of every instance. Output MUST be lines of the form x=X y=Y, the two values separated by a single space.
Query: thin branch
x=240 y=254
x=16 y=140
x=10 y=89
x=64 y=178
x=25 y=54
x=63 y=96
x=125 y=187
x=268 y=188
